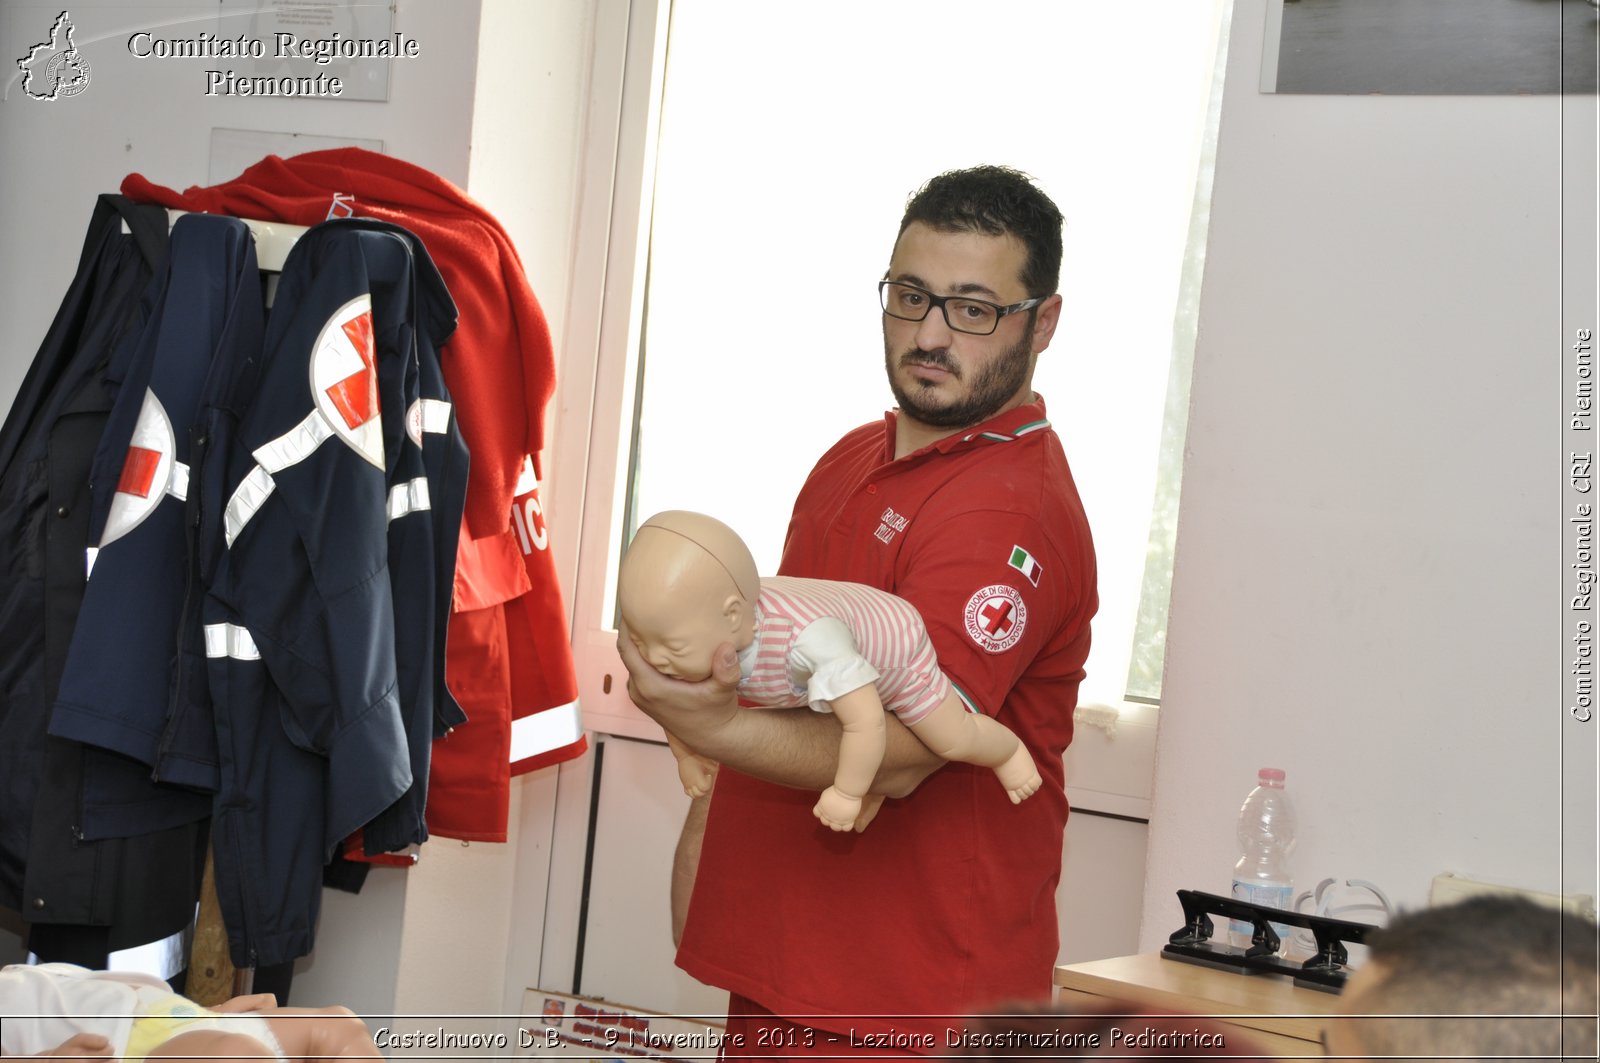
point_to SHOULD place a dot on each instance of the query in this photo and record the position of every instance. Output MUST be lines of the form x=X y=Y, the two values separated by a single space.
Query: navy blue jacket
x=79 y=898
x=300 y=615
x=135 y=677
x=429 y=465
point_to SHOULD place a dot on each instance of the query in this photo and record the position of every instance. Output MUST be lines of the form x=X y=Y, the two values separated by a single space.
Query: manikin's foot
x=1019 y=775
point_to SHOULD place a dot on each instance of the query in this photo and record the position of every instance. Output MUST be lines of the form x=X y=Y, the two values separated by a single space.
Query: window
x=750 y=157
x=783 y=163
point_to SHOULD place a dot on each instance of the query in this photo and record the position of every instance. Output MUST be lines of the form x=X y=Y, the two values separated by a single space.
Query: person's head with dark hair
x=969 y=300
x=999 y=201
x=1493 y=977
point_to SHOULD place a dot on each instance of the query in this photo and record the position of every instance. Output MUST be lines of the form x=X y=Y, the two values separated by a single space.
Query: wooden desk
x=1276 y=1014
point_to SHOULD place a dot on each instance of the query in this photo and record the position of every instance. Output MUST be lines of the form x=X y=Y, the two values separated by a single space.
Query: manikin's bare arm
x=790 y=747
x=861 y=745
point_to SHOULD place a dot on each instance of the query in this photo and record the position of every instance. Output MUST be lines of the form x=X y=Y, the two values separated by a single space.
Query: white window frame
x=600 y=355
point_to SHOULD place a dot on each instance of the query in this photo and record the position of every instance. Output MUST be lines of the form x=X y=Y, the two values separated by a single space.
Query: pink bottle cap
x=1271 y=775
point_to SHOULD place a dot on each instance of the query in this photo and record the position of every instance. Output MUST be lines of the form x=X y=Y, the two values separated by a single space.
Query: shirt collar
x=1004 y=427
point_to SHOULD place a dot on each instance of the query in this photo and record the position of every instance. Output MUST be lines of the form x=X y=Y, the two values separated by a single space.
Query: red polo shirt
x=946 y=903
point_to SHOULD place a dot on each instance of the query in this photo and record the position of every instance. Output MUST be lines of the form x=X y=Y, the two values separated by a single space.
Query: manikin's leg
x=210 y=1045
x=869 y=810
x=321 y=1033
x=686 y=864
x=956 y=734
x=302 y=1033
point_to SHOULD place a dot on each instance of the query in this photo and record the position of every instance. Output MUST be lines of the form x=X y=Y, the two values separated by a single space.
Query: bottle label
x=1272 y=895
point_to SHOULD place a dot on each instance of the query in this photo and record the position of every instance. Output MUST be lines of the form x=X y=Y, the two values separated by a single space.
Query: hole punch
x=1327 y=970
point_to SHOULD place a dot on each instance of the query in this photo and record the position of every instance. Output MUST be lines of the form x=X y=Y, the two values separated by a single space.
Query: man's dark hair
x=1487 y=956
x=996 y=200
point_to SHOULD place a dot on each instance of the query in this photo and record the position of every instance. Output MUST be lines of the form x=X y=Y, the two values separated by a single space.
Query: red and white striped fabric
x=790 y=666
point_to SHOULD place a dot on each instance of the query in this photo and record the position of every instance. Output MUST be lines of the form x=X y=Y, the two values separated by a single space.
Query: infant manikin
x=689 y=584
x=61 y=1009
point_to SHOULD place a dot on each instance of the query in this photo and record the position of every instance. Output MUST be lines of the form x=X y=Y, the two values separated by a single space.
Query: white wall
x=150 y=116
x=1368 y=589
x=496 y=102
x=532 y=100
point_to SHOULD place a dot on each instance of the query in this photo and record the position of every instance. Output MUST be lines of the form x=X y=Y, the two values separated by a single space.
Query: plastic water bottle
x=1266 y=834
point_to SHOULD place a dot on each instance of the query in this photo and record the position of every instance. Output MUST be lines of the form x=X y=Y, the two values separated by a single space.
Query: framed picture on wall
x=1430 y=47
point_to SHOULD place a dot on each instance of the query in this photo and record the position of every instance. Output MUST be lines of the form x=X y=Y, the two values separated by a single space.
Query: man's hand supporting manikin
x=791 y=747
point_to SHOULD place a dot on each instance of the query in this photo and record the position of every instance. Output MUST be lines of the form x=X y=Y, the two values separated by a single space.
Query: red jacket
x=499 y=366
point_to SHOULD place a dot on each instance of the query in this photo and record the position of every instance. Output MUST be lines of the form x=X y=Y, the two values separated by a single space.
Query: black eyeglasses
x=975 y=316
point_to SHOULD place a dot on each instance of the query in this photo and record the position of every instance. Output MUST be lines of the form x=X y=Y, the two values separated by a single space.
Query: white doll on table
x=689 y=584
x=63 y=1010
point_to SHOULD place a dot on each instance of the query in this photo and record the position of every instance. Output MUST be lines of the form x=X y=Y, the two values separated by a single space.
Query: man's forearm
x=791 y=747
x=800 y=748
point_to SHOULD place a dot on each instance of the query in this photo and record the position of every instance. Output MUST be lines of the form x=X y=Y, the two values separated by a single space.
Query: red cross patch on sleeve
x=995 y=617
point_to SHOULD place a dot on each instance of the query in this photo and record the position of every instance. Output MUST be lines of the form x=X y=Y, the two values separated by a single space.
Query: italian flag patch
x=1024 y=563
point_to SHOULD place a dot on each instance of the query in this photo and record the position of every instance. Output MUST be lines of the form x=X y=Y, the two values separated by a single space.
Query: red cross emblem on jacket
x=356 y=396
x=344 y=378
x=139 y=471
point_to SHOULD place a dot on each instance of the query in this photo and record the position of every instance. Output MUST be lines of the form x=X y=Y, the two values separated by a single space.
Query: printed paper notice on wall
x=559 y=1026
x=235 y=150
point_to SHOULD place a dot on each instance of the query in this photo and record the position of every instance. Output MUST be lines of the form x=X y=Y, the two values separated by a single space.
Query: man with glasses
x=961 y=502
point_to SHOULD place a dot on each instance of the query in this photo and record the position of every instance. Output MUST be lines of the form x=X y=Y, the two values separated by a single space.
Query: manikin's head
x=687 y=585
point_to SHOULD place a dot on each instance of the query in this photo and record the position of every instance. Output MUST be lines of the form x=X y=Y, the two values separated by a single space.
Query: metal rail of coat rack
x=273 y=239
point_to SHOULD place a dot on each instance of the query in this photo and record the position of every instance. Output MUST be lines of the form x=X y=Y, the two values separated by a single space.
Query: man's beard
x=993 y=387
